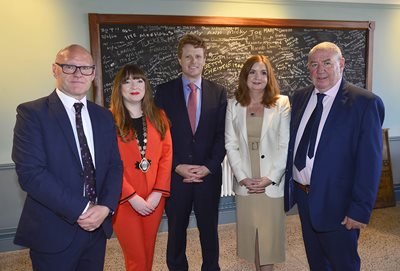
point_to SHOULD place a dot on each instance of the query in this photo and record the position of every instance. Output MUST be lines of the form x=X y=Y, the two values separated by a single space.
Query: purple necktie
x=88 y=167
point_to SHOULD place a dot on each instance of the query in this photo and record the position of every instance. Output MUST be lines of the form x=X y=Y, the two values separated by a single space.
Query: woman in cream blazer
x=272 y=147
x=256 y=141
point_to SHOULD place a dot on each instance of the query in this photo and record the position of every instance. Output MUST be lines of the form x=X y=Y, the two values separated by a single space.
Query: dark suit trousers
x=326 y=251
x=203 y=198
x=85 y=253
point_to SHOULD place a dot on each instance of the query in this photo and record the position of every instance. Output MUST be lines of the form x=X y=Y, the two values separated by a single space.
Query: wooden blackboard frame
x=95 y=20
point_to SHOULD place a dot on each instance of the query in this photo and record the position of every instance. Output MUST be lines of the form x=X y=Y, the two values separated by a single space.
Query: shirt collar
x=186 y=82
x=68 y=101
x=332 y=91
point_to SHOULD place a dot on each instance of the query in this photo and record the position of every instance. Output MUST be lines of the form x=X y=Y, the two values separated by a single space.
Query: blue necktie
x=309 y=136
x=88 y=167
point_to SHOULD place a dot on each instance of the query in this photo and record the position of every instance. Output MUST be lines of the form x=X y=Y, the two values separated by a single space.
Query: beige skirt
x=260 y=228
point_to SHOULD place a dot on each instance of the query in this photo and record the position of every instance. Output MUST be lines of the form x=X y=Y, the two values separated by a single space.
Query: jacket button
x=262 y=156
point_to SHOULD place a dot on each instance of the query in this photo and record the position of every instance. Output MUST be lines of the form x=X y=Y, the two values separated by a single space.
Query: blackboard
x=151 y=42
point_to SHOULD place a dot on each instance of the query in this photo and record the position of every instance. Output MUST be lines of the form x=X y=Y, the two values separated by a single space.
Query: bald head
x=72 y=50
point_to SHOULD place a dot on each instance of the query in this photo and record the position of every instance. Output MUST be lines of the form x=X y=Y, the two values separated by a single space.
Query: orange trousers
x=137 y=235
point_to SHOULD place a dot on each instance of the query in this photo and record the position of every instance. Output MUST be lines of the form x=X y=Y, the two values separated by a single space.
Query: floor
x=379 y=248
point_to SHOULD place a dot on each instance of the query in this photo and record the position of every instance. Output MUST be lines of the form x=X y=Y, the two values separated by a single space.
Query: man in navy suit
x=336 y=186
x=198 y=150
x=62 y=226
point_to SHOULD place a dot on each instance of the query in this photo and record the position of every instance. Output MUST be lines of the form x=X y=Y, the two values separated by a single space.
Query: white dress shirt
x=304 y=176
x=68 y=103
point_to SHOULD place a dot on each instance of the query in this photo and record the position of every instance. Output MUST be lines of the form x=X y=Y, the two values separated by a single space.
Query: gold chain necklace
x=144 y=164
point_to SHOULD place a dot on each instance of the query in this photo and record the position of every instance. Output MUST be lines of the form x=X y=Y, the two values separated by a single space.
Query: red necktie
x=191 y=107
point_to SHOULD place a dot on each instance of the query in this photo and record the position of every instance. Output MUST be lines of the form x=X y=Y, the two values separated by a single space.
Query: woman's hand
x=140 y=205
x=256 y=185
x=154 y=199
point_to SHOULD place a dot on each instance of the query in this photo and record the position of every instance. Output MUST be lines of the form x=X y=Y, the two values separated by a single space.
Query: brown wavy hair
x=272 y=90
x=121 y=115
x=192 y=39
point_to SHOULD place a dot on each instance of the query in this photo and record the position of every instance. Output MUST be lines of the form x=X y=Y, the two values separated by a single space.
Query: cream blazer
x=273 y=145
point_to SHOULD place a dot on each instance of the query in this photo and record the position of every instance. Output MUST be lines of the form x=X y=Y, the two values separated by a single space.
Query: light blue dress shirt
x=186 y=93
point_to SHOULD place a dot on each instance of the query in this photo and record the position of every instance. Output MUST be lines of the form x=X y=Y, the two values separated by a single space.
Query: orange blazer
x=158 y=177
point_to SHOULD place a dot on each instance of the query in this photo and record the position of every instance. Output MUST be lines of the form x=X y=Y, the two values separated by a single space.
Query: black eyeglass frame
x=76 y=68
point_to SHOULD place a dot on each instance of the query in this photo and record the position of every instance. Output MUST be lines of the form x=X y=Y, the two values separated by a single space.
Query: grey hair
x=326 y=45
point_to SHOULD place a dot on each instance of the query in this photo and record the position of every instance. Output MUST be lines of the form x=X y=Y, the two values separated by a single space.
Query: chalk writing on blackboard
x=154 y=48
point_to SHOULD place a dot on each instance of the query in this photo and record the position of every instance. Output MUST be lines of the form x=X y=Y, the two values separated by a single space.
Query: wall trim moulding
x=7 y=166
x=361 y=2
x=377 y=2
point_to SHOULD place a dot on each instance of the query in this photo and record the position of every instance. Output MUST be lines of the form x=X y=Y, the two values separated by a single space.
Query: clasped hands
x=93 y=217
x=145 y=206
x=255 y=185
x=192 y=173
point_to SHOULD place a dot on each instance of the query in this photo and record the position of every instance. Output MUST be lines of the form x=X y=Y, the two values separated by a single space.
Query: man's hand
x=192 y=173
x=93 y=217
x=140 y=205
x=351 y=224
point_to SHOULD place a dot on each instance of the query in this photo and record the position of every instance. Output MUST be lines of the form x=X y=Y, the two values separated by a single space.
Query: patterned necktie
x=88 y=167
x=307 y=141
x=191 y=107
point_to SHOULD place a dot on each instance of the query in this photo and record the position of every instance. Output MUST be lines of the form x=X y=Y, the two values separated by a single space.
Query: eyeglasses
x=71 y=69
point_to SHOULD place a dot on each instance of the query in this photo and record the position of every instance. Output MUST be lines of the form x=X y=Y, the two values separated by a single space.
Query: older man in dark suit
x=334 y=161
x=67 y=160
x=196 y=108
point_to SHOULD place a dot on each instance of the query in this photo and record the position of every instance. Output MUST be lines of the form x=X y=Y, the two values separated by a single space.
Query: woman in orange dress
x=145 y=146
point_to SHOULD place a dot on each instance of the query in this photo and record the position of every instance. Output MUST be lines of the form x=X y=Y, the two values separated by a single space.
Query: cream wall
x=32 y=31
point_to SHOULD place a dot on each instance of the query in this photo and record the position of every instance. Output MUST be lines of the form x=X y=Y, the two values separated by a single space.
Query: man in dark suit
x=334 y=183
x=66 y=218
x=196 y=108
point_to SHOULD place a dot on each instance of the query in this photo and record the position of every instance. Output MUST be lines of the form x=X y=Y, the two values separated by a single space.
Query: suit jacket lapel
x=205 y=97
x=181 y=103
x=334 y=114
x=299 y=108
x=97 y=134
x=151 y=147
x=58 y=109
x=267 y=117
x=241 y=113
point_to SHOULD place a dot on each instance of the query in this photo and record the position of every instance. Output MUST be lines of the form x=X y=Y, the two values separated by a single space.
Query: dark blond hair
x=121 y=115
x=192 y=39
x=272 y=89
